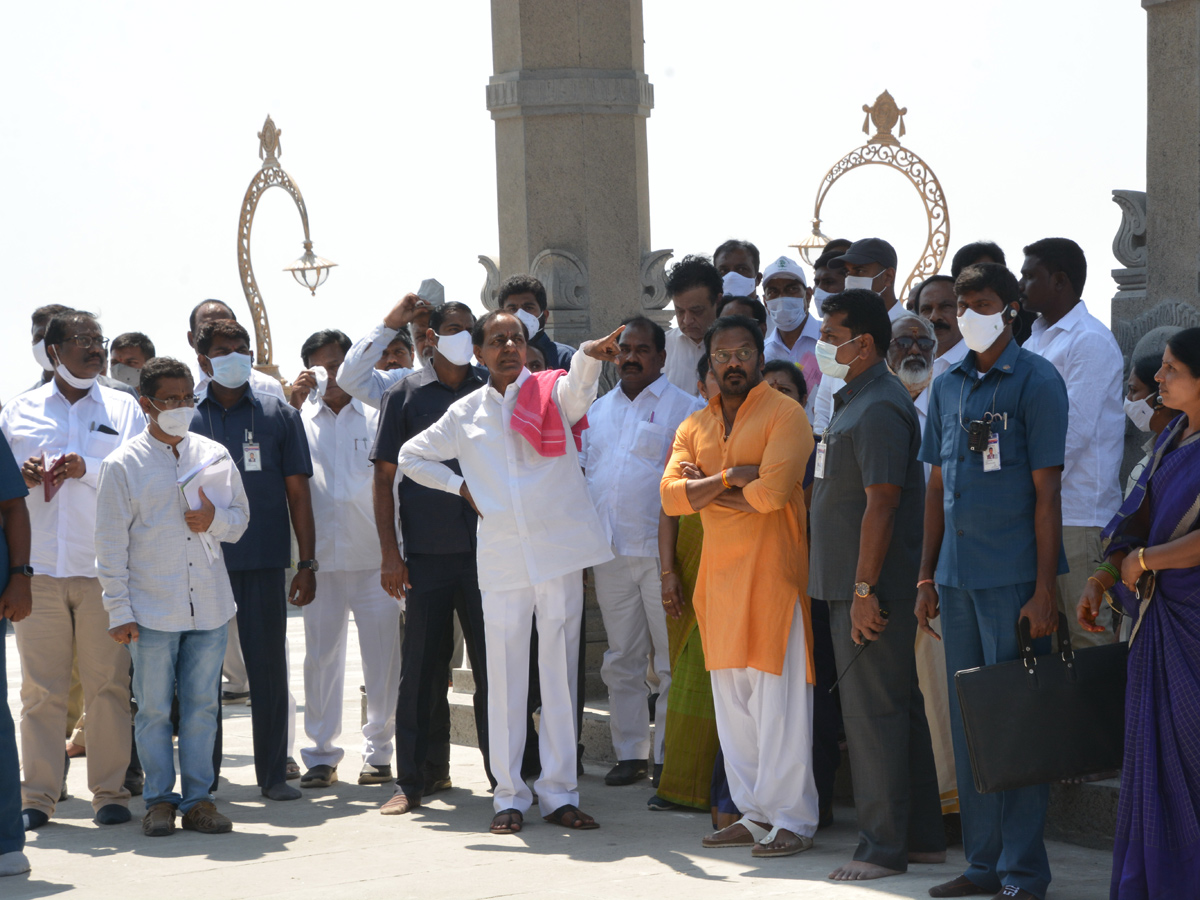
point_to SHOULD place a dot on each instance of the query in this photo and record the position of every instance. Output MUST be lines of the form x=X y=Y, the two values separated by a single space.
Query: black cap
x=868 y=250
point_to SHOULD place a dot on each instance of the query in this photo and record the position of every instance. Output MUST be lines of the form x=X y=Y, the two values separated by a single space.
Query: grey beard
x=915 y=377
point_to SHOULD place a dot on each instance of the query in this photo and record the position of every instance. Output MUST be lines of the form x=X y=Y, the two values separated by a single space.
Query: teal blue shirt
x=989 y=539
x=12 y=486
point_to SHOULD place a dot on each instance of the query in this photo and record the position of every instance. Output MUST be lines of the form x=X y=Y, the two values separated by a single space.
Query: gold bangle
x=666 y=573
x=1142 y=559
x=1098 y=581
x=725 y=480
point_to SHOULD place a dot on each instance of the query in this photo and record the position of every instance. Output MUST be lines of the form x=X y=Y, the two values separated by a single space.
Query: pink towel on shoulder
x=536 y=416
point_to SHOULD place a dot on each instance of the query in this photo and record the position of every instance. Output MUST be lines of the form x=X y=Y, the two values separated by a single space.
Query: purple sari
x=1156 y=851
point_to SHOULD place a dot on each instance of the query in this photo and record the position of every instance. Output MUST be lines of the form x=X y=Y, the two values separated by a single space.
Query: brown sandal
x=513 y=822
x=570 y=817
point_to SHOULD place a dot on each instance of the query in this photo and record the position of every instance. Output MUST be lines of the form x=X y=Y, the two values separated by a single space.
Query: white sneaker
x=15 y=863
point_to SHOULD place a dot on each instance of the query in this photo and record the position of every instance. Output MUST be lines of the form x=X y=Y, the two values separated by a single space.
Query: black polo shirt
x=431 y=521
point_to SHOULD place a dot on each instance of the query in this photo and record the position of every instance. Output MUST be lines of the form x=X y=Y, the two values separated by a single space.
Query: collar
x=654 y=388
x=93 y=392
x=428 y=375
x=518 y=384
x=752 y=400
x=163 y=446
x=1004 y=365
x=248 y=397
x=1068 y=322
x=312 y=410
x=679 y=334
x=860 y=381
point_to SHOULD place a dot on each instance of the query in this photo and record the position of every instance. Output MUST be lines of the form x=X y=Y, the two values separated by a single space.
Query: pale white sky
x=128 y=141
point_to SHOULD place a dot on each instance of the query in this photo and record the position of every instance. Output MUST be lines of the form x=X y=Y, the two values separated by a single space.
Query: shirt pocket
x=950 y=428
x=652 y=444
x=98 y=444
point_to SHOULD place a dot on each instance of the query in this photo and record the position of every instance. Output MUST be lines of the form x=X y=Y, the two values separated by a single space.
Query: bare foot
x=922 y=857
x=74 y=750
x=861 y=871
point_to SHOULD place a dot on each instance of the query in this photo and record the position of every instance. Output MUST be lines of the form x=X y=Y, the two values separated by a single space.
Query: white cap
x=784 y=266
x=736 y=285
x=432 y=292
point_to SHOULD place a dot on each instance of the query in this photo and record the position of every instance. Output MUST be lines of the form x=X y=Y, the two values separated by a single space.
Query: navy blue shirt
x=12 y=486
x=431 y=521
x=283 y=449
x=558 y=356
x=989 y=539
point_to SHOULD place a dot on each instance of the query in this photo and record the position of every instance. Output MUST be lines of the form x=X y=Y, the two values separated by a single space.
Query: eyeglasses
x=742 y=353
x=87 y=341
x=905 y=343
x=173 y=402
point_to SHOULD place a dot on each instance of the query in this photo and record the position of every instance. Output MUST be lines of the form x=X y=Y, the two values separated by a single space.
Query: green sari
x=691 y=729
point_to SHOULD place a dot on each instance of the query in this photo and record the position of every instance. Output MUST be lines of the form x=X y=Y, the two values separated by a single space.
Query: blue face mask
x=232 y=370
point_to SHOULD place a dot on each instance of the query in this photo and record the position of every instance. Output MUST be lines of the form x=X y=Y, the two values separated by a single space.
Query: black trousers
x=827 y=717
x=261 y=599
x=442 y=585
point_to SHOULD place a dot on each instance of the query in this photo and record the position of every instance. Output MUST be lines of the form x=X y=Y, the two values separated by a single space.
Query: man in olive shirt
x=867 y=509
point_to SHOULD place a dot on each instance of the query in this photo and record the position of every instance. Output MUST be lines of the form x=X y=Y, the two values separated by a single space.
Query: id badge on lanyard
x=819 y=465
x=991 y=456
x=251 y=454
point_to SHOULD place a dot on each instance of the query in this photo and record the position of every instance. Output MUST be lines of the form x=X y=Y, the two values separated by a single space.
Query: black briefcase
x=1047 y=718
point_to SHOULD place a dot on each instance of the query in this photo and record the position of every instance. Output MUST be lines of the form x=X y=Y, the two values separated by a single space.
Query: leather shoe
x=962 y=886
x=626 y=771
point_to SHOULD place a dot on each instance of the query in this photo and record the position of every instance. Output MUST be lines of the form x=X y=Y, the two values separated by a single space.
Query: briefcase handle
x=1025 y=642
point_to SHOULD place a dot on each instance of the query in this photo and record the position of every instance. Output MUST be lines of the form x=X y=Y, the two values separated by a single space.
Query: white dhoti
x=931 y=676
x=629 y=592
x=764 y=722
x=377 y=618
x=507 y=619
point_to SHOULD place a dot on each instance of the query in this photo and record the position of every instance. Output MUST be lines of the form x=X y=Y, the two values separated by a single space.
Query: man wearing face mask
x=1087 y=356
x=265 y=438
x=128 y=353
x=694 y=286
x=340 y=431
x=625 y=449
x=740 y=257
x=870 y=265
x=209 y=311
x=995 y=438
x=525 y=297
x=39 y=321
x=867 y=500
x=439 y=577
x=827 y=280
x=167 y=599
x=795 y=333
x=74 y=419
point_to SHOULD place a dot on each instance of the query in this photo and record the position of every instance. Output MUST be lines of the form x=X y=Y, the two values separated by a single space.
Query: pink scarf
x=536 y=416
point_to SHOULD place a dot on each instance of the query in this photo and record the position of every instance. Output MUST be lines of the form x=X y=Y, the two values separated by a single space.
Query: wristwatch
x=862 y=589
x=308 y=564
x=21 y=570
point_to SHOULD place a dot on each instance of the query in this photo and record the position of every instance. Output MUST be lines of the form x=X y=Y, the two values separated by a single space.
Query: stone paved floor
x=332 y=843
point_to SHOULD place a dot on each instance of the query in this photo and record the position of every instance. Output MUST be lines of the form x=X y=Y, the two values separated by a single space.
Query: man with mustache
x=910 y=354
x=740 y=463
x=624 y=452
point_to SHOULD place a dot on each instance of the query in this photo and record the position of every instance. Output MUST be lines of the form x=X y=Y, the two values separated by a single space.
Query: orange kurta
x=753 y=565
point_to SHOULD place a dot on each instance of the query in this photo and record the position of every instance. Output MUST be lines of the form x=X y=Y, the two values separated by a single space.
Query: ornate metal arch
x=270 y=175
x=884 y=149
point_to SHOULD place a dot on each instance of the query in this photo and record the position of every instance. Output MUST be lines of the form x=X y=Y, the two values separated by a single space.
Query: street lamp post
x=309 y=270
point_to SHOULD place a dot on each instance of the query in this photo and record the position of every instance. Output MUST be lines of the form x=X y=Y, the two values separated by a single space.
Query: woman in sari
x=1156 y=852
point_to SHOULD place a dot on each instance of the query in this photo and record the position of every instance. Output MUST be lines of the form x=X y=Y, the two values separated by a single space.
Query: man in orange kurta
x=740 y=462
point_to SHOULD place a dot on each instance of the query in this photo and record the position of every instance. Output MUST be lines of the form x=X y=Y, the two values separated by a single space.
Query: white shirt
x=261 y=382
x=44 y=421
x=806 y=344
x=357 y=375
x=538 y=521
x=682 y=356
x=1089 y=360
x=341 y=484
x=625 y=450
x=823 y=405
x=153 y=569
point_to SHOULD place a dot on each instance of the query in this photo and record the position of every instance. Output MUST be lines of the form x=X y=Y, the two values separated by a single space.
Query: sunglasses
x=905 y=343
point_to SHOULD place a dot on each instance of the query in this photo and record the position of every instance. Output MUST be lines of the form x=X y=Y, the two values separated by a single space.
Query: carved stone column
x=570 y=101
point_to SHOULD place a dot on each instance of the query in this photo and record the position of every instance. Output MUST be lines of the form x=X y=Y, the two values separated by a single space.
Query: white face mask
x=826 y=354
x=978 y=330
x=862 y=282
x=532 y=323
x=232 y=370
x=458 y=349
x=125 y=374
x=734 y=284
x=1140 y=413
x=787 y=313
x=819 y=296
x=174 y=422
x=39 y=353
x=82 y=384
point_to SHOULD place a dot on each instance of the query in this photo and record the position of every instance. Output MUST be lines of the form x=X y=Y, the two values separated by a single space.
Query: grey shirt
x=872 y=438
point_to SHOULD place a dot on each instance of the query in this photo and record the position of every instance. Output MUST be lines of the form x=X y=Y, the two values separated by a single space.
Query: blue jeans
x=1002 y=832
x=187 y=663
x=12 y=831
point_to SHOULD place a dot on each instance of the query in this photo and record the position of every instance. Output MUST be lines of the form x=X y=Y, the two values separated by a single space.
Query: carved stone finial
x=1129 y=245
x=884 y=114
x=268 y=143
